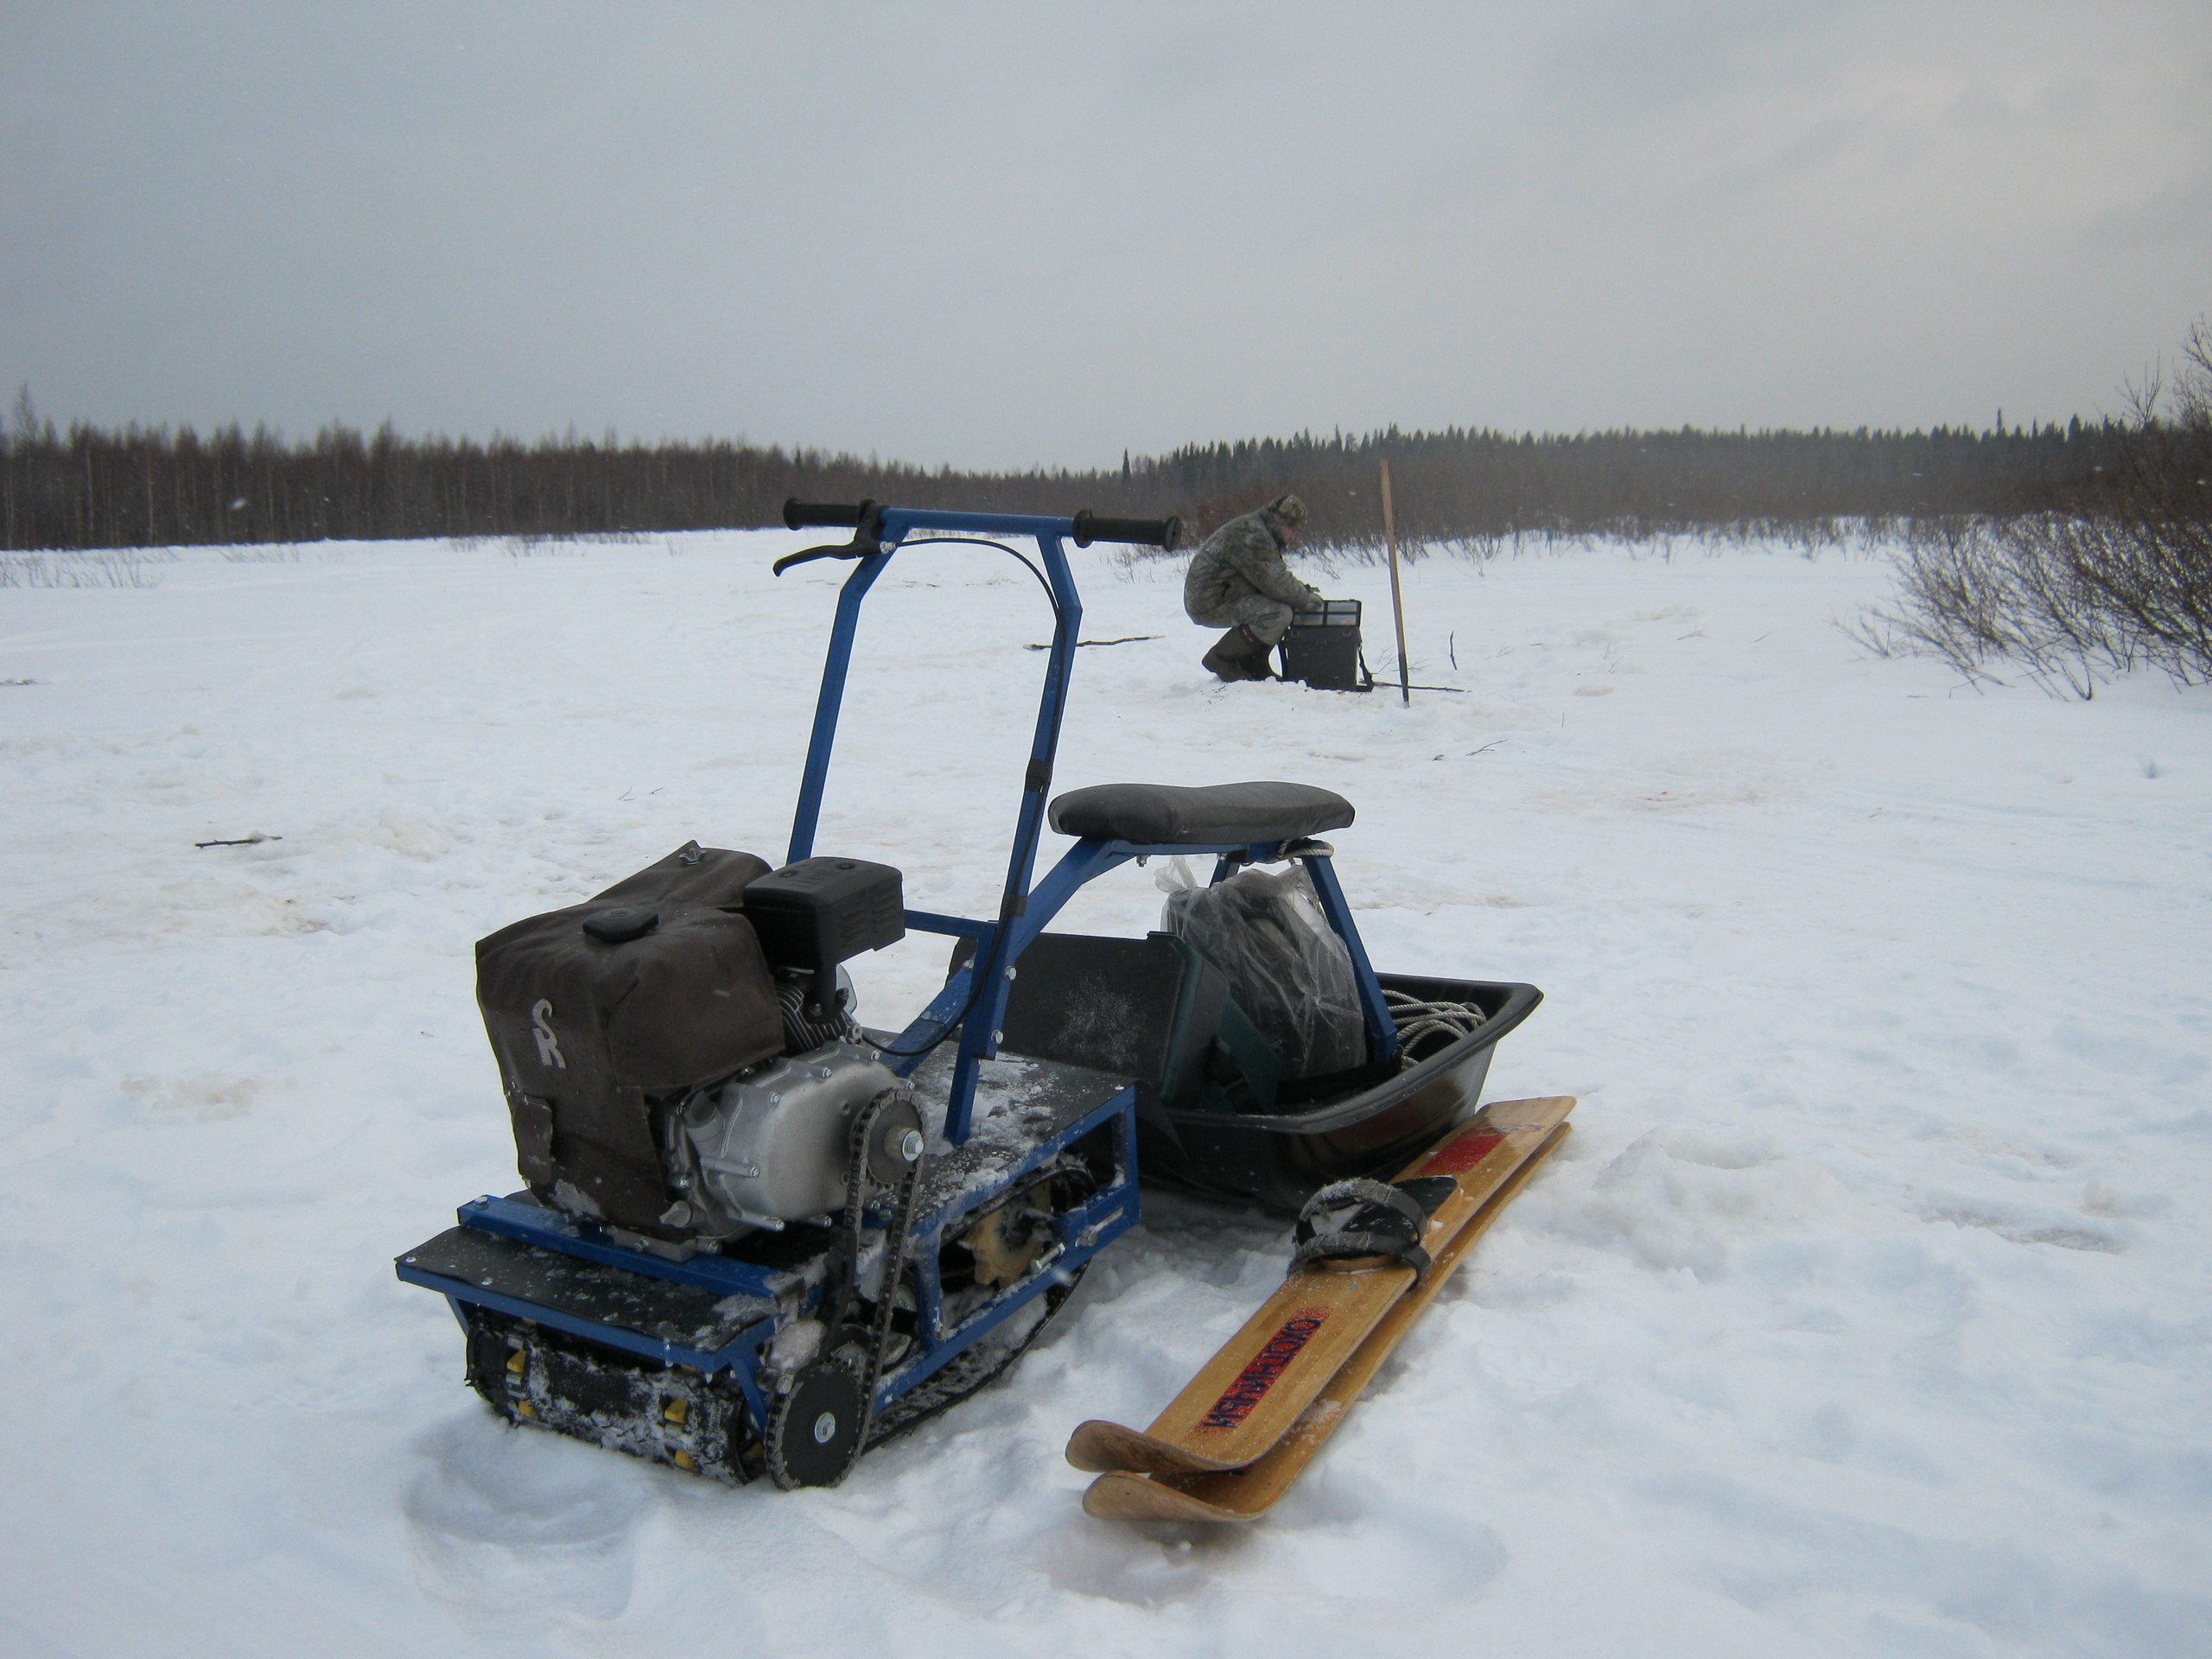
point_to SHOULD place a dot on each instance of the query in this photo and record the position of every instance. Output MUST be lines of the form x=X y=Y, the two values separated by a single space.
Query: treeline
x=1476 y=486
x=87 y=487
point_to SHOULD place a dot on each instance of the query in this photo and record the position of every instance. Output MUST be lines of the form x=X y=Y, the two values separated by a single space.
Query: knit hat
x=1289 y=509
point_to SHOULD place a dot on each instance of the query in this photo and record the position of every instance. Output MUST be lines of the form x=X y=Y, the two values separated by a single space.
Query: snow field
x=1864 y=1313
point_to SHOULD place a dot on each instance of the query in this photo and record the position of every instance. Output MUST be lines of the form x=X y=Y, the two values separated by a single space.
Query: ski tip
x=1139 y=1497
x=1087 y=1446
x=1097 y=1449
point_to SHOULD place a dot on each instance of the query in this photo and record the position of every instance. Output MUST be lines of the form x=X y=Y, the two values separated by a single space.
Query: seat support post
x=1382 y=1030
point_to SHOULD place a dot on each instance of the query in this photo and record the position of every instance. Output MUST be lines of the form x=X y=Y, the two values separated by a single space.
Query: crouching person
x=1237 y=581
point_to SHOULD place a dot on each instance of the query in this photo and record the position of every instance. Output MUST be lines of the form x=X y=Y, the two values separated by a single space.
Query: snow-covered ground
x=1866 y=1313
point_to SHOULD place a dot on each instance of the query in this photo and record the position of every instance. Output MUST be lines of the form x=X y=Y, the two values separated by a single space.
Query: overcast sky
x=1019 y=234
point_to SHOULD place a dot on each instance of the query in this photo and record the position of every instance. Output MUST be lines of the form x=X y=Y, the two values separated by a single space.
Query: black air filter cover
x=814 y=914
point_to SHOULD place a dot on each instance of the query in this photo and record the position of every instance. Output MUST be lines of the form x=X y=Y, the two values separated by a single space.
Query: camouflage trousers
x=1269 y=619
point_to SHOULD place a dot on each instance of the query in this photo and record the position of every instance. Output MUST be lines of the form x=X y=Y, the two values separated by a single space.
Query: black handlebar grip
x=816 y=515
x=1144 y=532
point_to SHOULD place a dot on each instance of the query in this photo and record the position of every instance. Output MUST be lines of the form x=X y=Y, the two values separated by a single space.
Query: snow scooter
x=757 y=1237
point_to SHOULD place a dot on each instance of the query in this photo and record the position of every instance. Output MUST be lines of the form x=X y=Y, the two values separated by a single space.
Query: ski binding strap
x=1357 y=1217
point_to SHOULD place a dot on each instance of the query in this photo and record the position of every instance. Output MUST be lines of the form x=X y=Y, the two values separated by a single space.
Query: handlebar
x=1145 y=532
x=1089 y=526
x=824 y=515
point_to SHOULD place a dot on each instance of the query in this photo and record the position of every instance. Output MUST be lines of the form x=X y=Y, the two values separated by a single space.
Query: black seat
x=1167 y=815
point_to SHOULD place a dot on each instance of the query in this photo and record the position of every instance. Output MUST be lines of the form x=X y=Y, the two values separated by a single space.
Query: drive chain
x=895 y=1241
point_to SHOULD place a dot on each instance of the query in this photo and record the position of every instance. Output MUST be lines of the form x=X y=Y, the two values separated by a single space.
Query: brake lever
x=854 y=549
x=868 y=540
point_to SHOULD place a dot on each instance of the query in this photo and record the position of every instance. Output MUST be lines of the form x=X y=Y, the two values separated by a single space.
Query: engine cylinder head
x=807 y=1024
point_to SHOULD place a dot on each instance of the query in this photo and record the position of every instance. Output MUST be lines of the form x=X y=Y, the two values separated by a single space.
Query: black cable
x=975 y=989
x=1013 y=553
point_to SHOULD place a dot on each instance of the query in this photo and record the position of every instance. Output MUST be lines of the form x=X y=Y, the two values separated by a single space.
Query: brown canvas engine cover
x=585 y=1028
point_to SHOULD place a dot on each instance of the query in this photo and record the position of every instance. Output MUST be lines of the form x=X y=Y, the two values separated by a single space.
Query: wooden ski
x=1247 y=1493
x=1247 y=1396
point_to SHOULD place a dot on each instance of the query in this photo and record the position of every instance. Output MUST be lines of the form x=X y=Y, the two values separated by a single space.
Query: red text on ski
x=1260 y=1373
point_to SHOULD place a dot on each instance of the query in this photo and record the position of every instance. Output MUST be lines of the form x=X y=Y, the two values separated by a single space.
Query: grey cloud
x=995 y=235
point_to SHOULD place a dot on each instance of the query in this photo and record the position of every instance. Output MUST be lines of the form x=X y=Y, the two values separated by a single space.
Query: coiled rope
x=1425 y=1026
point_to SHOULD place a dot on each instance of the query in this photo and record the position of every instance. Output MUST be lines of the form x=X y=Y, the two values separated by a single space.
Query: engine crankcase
x=773 y=1145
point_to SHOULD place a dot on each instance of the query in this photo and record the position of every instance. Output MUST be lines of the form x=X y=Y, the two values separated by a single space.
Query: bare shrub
x=2149 y=556
x=120 y=568
x=1980 y=595
x=2070 y=599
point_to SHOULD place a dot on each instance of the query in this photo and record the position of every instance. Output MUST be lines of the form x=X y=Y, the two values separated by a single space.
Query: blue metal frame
x=1081 y=1234
x=1382 y=1029
x=552 y=1229
x=741 y=1355
x=995 y=949
x=1023 y=914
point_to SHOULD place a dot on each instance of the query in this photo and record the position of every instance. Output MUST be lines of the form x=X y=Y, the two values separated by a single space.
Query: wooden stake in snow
x=1397 y=599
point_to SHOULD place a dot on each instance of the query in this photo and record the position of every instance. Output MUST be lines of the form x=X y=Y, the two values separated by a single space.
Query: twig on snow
x=1126 y=640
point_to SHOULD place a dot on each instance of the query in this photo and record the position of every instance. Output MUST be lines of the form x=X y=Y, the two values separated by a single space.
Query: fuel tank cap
x=622 y=925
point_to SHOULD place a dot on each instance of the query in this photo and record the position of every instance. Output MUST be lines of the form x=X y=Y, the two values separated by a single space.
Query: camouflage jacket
x=1243 y=557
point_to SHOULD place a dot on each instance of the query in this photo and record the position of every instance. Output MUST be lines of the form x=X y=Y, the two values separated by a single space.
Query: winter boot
x=1238 y=654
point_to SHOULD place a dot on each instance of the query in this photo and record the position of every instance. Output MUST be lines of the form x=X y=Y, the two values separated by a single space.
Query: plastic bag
x=1287 y=969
